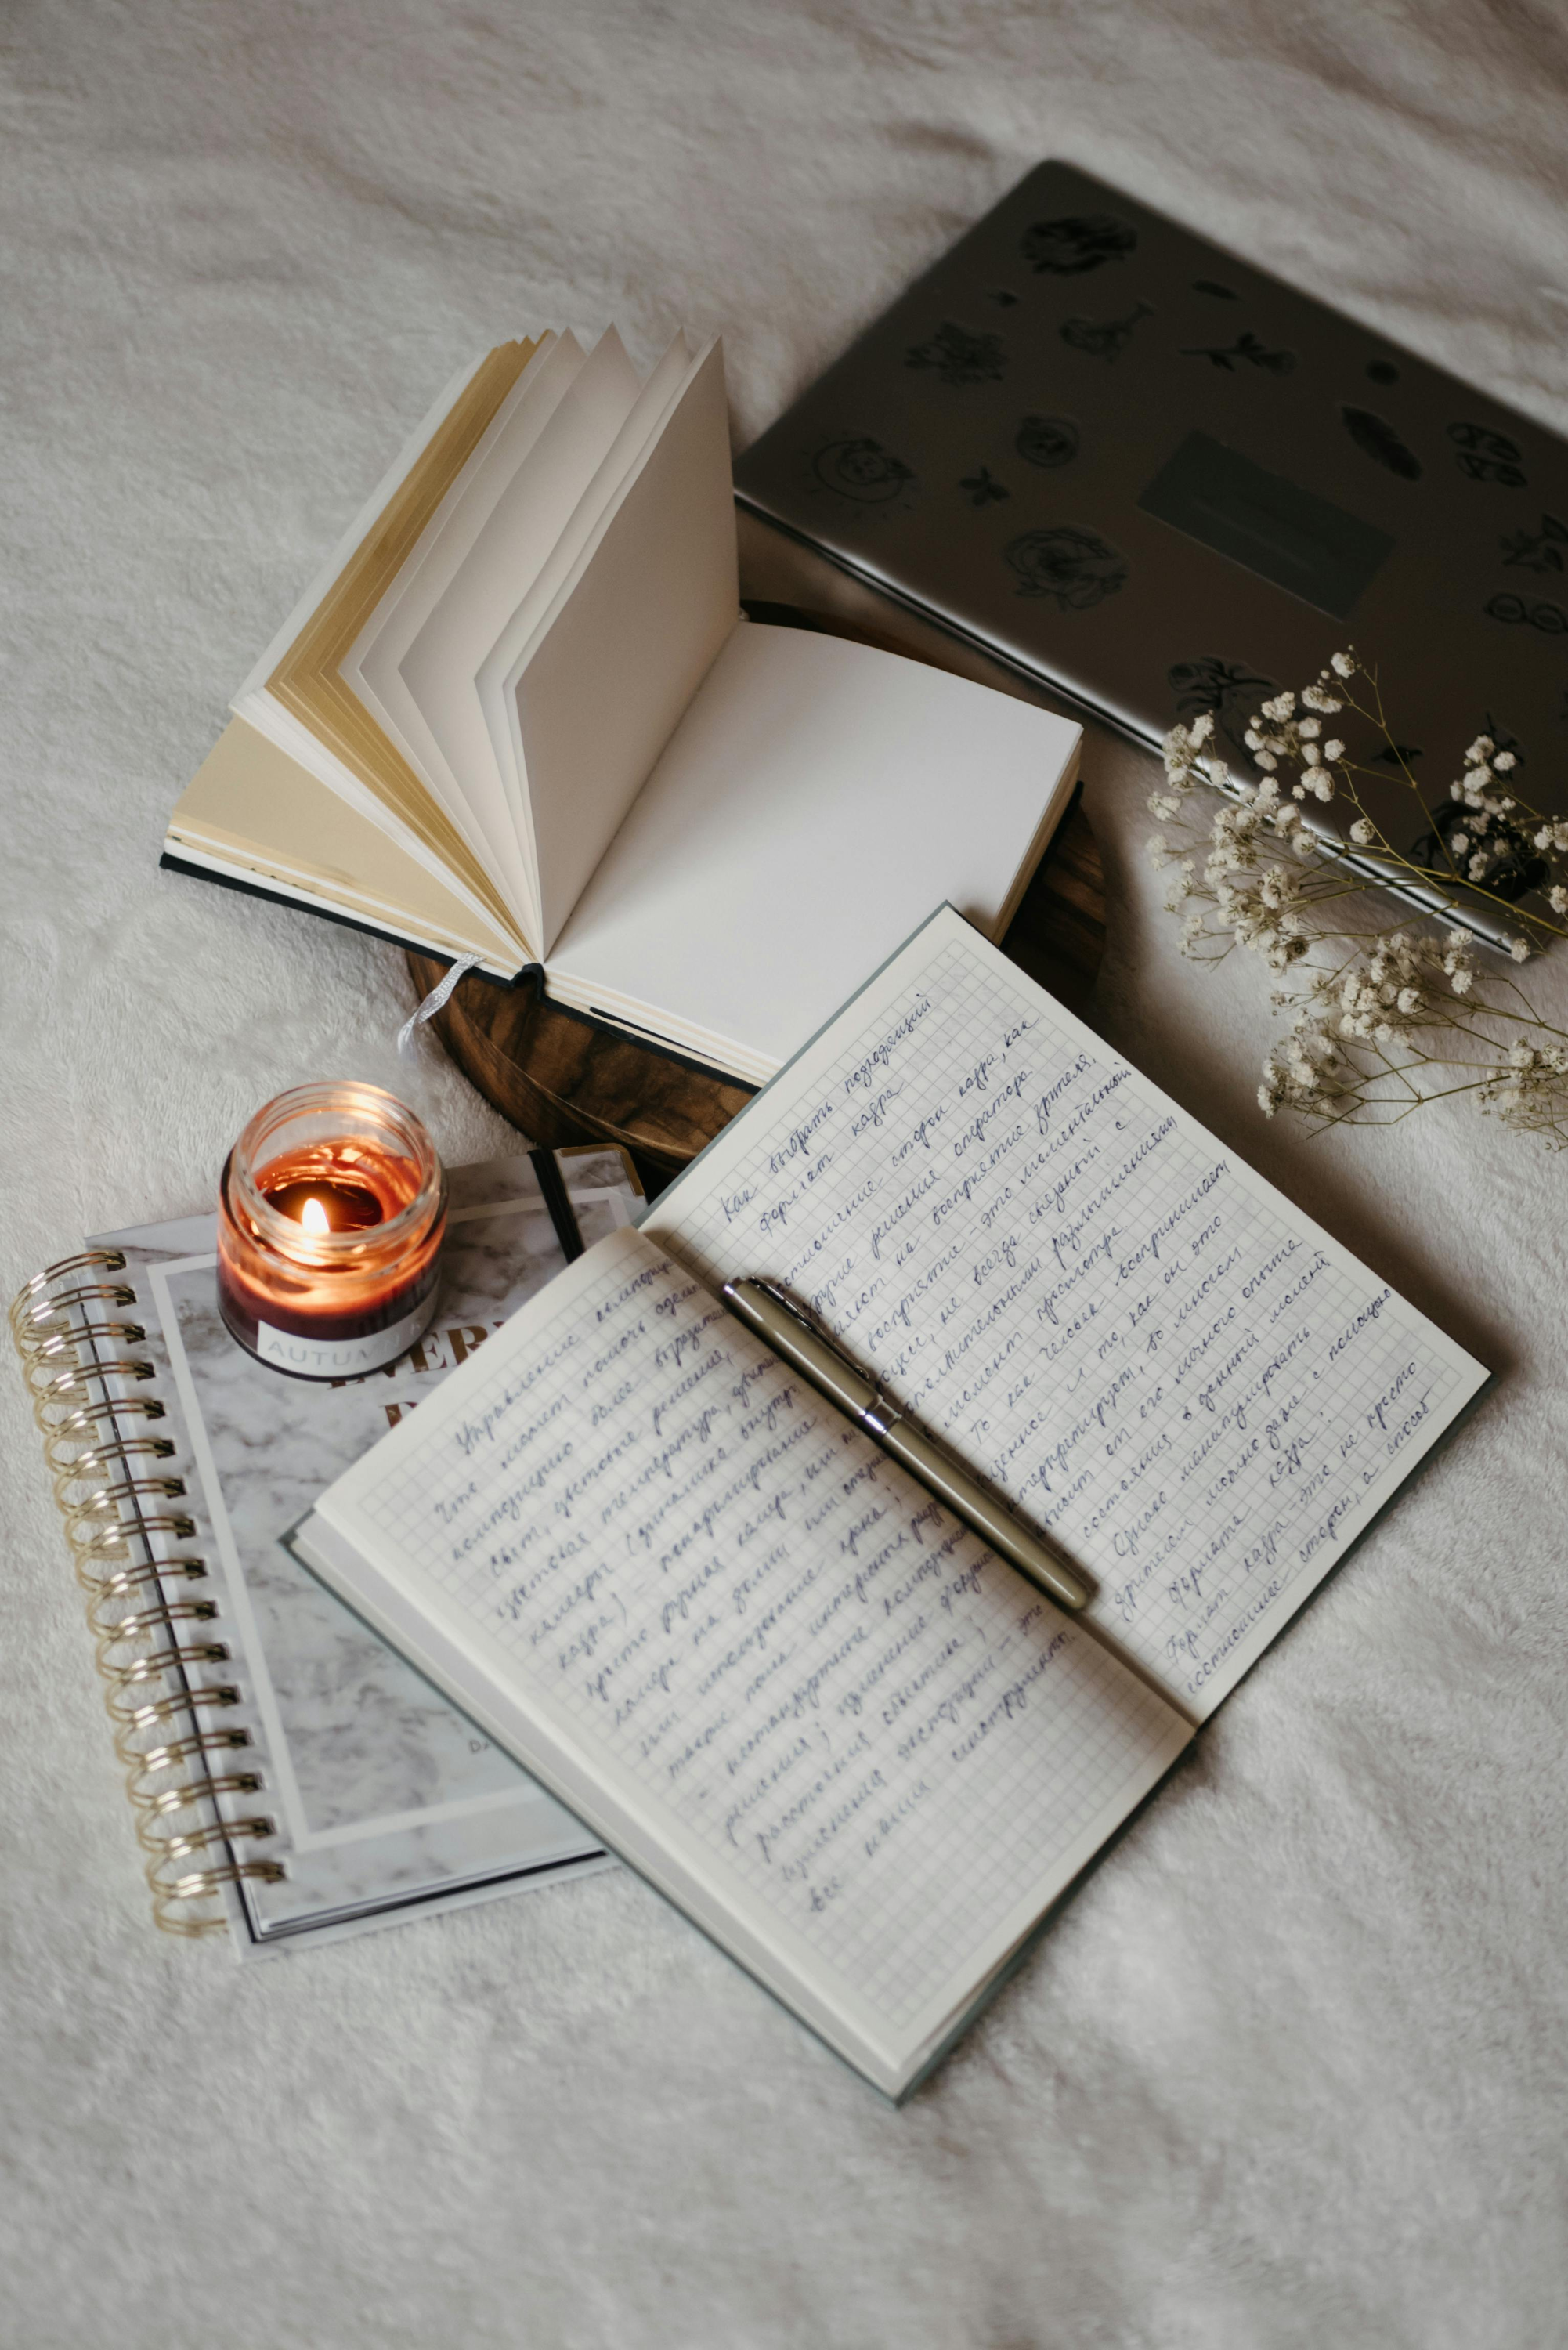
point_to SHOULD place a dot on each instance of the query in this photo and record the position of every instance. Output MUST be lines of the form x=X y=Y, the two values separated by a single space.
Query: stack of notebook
x=350 y=1791
x=648 y=1567
x=592 y=1570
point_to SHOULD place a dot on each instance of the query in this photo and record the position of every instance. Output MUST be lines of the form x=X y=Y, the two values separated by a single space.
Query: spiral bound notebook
x=290 y=1775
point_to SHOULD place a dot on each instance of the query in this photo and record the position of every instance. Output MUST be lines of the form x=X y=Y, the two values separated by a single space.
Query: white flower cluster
x=1289 y=736
x=1528 y=1089
x=1379 y=998
x=1305 y=1073
x=1487 y=837
x=1400 y=983
x=1377 y=1018
x=1186 y=767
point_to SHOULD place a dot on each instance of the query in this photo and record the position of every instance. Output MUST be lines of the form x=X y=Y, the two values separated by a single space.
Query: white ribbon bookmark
x=434 y=1002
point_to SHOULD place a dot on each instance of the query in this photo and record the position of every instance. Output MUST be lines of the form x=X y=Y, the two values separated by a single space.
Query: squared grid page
x=1144 y=1346
x=832 y=1707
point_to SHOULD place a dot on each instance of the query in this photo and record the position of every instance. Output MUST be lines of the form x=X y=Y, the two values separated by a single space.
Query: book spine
x=156 y=1628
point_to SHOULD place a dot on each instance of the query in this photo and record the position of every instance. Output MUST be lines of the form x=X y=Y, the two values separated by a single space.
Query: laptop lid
x=1162 y=482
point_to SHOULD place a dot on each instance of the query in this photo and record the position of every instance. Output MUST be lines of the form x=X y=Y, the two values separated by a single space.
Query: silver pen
x=781 y=1327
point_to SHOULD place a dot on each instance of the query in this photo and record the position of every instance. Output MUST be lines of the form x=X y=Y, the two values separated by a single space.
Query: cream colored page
x=816 y=801
x=294 y=741
x=1147 y=1347
x=251 y=806
x=585 y=687
x=655 y=598
x=738 y=1622
x=266 y=716
x=495 y=674
x=372 y=669
x=437 y=668
x=309 y=603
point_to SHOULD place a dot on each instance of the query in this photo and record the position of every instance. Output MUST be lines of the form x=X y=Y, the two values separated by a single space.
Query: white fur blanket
x=1290 y=2069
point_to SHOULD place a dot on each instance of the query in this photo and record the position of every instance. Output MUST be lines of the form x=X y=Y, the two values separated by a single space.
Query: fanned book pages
x=741 y=1643
x=519 y=718
x=288 y=1770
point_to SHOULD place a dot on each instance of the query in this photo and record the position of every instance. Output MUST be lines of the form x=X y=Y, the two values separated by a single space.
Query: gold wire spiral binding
x=86 y=1420
x=112 y=1544
x=128 y=1726
x=71 y=1386
x=152 y=1817
x=48 y=1315
x=152 y=1762
x=108 y=1260
x=101 y=1509
x=134 y=1676
x=104 y=1501
x=94 y=1452
x=99 y=1459
x=202 y=1884
x=108 y=1629
x=132 y=1582
x=76 y=1359
x=185 y=1846
x=174 y=1887
x=143 y=1622
x=60 y=1345
x=186 y=1793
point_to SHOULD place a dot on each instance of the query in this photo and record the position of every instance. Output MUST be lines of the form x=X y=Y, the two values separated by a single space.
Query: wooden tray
x=562 y=1079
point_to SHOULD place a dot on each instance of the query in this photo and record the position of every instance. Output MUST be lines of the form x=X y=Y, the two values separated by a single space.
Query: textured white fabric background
x=1291 y=2068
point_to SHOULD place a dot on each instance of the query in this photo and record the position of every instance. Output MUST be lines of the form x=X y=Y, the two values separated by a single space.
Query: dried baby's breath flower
x=1381 y=1020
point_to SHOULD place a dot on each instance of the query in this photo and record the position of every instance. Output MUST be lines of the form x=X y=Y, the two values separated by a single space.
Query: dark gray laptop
x=1163 y=482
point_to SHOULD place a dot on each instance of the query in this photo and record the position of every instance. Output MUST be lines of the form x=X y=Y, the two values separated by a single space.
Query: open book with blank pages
x=519 y=717
x=756 y=1659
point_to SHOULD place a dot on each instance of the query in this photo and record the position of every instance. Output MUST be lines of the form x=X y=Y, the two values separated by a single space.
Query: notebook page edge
x=497 y=705
x=670 y=527
x=234 y=817
x=307 y=605
x=333 y=733
x=499 y=683
x=370 y=666
x=435 y=667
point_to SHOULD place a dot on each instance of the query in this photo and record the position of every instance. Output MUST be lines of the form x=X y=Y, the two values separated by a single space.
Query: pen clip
x=882 y=1411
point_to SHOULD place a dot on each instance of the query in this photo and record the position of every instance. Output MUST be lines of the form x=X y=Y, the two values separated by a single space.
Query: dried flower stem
x=1386 y=1016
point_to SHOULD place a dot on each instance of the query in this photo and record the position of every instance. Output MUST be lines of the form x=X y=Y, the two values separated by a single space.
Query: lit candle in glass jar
x=331 y=1215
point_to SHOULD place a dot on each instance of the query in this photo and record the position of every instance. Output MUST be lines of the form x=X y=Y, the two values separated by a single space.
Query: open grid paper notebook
x=382 y=1799
x=858 y=1749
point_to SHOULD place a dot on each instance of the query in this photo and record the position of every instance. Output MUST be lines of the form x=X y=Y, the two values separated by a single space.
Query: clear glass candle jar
x=331 y=1215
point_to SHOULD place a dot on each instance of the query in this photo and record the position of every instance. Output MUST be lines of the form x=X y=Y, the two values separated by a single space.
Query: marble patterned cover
x=384 y=1797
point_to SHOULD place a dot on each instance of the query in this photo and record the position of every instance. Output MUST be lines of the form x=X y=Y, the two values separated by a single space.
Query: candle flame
x=314 y=1217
